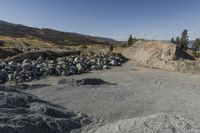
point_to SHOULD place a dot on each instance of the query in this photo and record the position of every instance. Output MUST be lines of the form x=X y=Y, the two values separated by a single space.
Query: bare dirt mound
x=156 y=54
x=23 y=113
x=159 y=123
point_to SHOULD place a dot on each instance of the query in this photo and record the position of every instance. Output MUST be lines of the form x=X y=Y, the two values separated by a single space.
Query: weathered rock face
x=159 y=123
x=23 y=113
x=155 y=54
x=62 y=66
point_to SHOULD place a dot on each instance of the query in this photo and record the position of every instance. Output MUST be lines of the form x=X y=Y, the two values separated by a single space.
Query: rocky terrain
x=94 y=88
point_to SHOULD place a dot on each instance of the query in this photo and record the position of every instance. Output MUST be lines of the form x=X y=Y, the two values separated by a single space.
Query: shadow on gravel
x=28 y=86
x=86 y=81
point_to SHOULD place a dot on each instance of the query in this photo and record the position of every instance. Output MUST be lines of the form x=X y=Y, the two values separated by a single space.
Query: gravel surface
x=139 y=92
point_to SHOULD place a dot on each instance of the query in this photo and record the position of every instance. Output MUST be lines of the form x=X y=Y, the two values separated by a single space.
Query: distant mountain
x=57 y=37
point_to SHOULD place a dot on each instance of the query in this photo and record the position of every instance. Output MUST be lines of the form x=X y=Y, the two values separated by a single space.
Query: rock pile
x=23 y=113
x=62 y=66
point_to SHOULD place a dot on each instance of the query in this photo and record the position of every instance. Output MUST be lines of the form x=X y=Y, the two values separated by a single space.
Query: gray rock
x=106 y=67
x=80 y=67
x=26 y=61
x=26 y=66
x=40 y=59
x=113 y=62
x=65 y=73
x=20 y=79
x=3 y=76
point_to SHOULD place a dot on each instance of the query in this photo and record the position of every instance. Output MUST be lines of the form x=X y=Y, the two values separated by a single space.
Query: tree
x=184 y=40
x=130 y=40
x=177 y=42
x=111 y=48
x=196 y=46
x=172 y=41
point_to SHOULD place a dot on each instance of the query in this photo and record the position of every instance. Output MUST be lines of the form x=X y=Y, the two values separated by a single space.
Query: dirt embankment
x=166 y=56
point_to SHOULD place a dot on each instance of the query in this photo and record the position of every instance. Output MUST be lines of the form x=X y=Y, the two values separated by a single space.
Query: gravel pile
x=23 y=113
x=63 y=66
x=158 y=123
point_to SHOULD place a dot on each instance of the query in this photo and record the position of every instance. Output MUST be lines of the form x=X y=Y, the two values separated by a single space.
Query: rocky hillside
x=54 y=36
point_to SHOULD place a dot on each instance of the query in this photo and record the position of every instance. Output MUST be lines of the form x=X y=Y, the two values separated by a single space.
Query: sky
x=117 y=19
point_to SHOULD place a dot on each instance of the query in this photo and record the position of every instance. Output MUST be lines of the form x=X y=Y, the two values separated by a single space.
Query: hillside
x=53 y=36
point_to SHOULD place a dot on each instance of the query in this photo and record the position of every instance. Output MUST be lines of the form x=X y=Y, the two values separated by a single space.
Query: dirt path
x=140 y=92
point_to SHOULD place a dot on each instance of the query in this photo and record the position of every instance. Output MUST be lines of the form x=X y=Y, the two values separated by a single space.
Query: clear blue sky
x=152 y=19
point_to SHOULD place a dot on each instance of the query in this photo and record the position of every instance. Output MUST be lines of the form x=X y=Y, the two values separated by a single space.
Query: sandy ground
x=140 y=92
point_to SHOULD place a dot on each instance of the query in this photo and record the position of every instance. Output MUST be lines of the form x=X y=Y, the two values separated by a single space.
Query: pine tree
x=130 y=40
x=111 y=48
x=177 y=42
x=184 y=40
x=172 y=41
x=196 y=46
